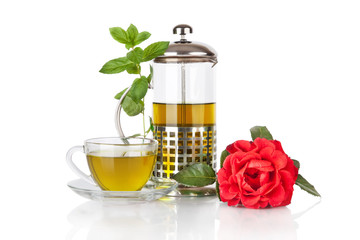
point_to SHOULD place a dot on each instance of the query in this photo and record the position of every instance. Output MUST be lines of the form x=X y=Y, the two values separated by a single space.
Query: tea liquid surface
x=184 y=115
x=121 y=173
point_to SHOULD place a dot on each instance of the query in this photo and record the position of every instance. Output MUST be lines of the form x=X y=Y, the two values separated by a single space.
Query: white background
x=290 y=65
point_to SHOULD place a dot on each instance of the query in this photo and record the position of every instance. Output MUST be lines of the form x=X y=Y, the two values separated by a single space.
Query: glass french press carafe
x=184 y=108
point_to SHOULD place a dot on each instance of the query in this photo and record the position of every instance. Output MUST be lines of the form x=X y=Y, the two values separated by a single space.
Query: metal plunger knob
x=182 y=29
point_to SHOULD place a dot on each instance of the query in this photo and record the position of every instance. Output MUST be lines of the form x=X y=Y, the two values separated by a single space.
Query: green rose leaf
x=119 y=35
x=139 y=88
x=260 y=132
x=133 y=69
x=141 y=37
x=224 y=154
x=217 y=187
x=306 y=186
x=117 y=65
x=296 y=163
x=154 y=50
x=135 y=55
x=197 y=175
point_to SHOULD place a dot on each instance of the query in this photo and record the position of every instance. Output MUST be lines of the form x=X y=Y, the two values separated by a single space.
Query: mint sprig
x=133 y=103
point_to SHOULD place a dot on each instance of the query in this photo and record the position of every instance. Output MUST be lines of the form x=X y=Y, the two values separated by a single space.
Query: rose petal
x=227 y=163
x=234 y=189
x=234 y=201
x=241 y=145
x=234 y=162
x=264 y=178
x=247 y=157
x=225 y=195
x=287 y=179
x=221 y=175
x=249 y=201
x=265 y=188
x=264 y=203
x=261 y=143
x=277 y=145
x=279 y=159
x=266 y=153
x=261 y=165
x=276 y=196
x=247 y=188
x=288 y=184
x=290 y=167
x=274 y=181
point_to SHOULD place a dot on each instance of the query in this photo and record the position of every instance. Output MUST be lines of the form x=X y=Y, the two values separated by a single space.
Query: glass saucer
x=154 y=189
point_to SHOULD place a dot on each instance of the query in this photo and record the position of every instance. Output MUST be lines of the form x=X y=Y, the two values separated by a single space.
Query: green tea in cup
x=117 y=164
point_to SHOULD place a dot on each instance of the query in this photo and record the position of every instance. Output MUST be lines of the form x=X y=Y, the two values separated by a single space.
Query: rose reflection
x=272 y=223
x=110 y=221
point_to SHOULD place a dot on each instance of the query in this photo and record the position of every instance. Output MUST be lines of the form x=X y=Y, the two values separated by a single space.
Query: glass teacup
x=117 y=164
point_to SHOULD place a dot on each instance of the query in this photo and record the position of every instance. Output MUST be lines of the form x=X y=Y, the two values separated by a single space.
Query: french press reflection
x=184 y=107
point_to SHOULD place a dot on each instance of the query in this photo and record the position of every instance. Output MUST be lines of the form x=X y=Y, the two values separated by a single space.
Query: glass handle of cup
x=72 y=165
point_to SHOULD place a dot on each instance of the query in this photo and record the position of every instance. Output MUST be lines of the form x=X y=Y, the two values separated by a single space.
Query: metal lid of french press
x=185 y=51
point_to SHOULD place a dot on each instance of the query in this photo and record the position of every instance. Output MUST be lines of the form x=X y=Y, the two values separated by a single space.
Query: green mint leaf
x=149 y=78
x=133 y=68
x=132 y=33
x=296 y=163
x=135 y=55
x=154 y=50
x=132 y=107
x=306 y=186
x=118 y=96
x=117 y=65
x=141 y=37
x=128 y=46
x=139 y=88
x=224 y=154
x=197 y=174
x=119 y=35
x=151 y=125
x=260 y=132
x=134 y=135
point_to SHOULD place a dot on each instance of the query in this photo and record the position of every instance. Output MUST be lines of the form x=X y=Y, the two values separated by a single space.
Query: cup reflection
x=113 y=221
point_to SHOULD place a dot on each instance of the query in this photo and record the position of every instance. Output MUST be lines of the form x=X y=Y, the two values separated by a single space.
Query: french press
x=184 y=108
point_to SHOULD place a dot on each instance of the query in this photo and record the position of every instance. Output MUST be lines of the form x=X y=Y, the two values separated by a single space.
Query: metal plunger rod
x=183 y=94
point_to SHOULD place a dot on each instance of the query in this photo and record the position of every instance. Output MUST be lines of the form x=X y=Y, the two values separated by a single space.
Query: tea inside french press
x=184 y=107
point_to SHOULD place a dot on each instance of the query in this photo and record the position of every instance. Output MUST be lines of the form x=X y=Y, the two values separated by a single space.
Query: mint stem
x=143 y=113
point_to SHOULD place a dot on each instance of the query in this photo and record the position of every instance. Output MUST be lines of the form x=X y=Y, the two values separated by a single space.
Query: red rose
x=257 y=174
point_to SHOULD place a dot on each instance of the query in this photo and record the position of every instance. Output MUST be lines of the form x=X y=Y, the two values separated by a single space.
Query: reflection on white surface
x=106 y=221
x=196 y=217
x=271 y=223
x=274 y=223
x=180 y=218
